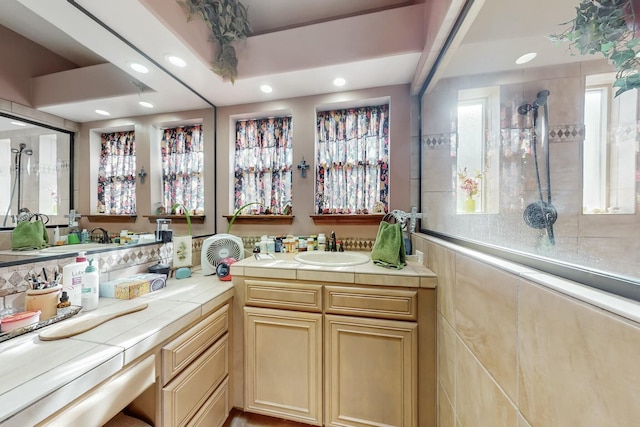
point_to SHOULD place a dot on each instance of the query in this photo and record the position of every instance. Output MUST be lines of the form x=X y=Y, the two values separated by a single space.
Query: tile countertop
x=39 y=377
x=285 y=266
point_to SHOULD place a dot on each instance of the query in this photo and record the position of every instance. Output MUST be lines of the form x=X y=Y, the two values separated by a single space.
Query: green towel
x=388 y=250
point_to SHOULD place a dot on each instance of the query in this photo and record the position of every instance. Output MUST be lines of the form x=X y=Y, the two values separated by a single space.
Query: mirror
x=479 y=113
x=36 y=169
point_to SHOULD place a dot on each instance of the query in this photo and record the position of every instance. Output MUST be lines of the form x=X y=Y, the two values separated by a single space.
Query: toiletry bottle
x=84 y=236
x=90 y=286
x=72 y=278
x=322 y=242
x=56 y=235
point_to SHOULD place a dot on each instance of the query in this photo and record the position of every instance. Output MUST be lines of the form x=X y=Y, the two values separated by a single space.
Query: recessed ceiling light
x=18 y=123
x=178 y=62
x=103 y=113
x=146 y=104
x=526 y=58
x=266 y=88
x=139 y=68
x=339 y=81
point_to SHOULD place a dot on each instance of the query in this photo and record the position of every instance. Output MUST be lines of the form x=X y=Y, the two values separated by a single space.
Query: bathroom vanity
x=347 y=345
x=152 y=362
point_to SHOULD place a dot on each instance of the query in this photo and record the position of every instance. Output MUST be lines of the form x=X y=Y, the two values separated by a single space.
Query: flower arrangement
x=470 y=184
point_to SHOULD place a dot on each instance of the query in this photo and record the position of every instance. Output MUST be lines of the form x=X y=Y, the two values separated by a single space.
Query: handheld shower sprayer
x=17 y=182
x=540 y=214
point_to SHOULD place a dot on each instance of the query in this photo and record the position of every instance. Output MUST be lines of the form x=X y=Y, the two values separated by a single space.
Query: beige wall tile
x=446 y=358
x=446 y=415
x=479 y=400
x=486 y=301
x=522 y=422
x=578 y=366
x=442 y=262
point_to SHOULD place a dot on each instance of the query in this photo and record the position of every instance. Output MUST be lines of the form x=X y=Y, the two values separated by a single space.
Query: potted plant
x=471 y=186
x=607 y=27
x=228 y=22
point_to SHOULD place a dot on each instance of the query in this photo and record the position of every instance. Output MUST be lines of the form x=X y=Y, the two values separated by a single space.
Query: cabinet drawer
x=188 y=391
x=181 y=351
x=215 y=410
x=288 y=296
x=372 y=302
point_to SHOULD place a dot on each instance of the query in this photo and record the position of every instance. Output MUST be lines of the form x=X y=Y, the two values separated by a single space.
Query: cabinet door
x=371 y=372
x=283 y=364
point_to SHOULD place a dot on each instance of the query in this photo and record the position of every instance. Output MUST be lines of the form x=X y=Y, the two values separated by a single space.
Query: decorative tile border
x=350 y=243
x=566 y=133
x=437 y=140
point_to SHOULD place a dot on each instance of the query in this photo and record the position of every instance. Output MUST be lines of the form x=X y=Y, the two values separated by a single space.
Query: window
x=263 y=164
x=117 y=173
x=182 y=153
x=352 y=172
x=477 y=123
x=609 y=153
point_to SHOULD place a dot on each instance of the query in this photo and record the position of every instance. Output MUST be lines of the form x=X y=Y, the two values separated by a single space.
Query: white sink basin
x=63 y=249
x=332 y=259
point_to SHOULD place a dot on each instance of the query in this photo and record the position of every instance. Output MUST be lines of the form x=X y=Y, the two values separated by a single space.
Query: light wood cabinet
x=371 y=372
x=331 y=355
x=283 y=364
x=195 y=371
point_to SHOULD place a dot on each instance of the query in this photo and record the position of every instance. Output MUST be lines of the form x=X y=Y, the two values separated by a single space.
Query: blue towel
x=388 y=250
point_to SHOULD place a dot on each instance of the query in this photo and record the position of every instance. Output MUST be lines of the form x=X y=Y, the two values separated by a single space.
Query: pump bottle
x=90 y=287
x=72 y=278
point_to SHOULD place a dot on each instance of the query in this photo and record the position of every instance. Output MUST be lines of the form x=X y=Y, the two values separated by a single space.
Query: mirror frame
x=71 y=158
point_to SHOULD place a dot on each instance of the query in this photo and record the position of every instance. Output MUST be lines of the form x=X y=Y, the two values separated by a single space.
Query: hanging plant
x=607 y=27
x=228 y=22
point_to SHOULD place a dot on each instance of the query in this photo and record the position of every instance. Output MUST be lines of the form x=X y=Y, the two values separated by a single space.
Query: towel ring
x=397 y=216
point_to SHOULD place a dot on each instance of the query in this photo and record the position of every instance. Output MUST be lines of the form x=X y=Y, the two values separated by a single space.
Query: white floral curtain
x=182 y=151
x=352 y=168
x=117 y=174
x=263 y=163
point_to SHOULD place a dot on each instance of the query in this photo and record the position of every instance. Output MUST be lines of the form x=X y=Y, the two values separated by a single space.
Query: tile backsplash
x=113 y=264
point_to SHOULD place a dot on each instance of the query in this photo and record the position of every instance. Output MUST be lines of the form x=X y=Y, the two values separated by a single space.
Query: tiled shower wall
x=605 y=241
x=113 y=264
x=514 y=351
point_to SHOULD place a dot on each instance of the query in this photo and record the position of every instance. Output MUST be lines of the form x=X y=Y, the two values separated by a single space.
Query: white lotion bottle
x=72 y=278
x=90 y=287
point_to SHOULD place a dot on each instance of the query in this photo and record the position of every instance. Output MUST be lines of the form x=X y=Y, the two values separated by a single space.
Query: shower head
x=15 y=150
x=28 y=151
x=541 y=99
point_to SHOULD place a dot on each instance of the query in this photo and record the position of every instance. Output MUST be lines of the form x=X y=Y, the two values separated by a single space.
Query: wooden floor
x=237 y=418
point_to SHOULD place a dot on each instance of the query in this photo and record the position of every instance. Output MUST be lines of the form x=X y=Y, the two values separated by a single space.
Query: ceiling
x=297 y=46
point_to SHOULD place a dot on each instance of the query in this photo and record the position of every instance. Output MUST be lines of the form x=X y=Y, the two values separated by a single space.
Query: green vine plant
x=174 y=210
x=228 y=21
x=607 y=27
x=238 y=211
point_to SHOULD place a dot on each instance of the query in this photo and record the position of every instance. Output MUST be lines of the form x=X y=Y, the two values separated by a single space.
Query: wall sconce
x=142 y=174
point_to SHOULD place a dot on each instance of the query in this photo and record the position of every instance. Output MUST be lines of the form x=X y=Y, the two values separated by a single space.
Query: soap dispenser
x=90 y=288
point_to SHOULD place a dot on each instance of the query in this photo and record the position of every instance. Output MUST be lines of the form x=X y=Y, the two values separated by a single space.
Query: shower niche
x=35 y=171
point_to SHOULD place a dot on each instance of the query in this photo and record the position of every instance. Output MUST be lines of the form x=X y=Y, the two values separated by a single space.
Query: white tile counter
x=37 y=377
x=285 y=266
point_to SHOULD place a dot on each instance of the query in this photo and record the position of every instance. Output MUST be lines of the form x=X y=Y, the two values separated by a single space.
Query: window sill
x=178 y=219
x=111 y=218
x=261 y=219
x=363 y=219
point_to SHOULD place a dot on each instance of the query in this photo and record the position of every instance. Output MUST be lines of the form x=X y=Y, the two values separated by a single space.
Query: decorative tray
x=63 y=313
